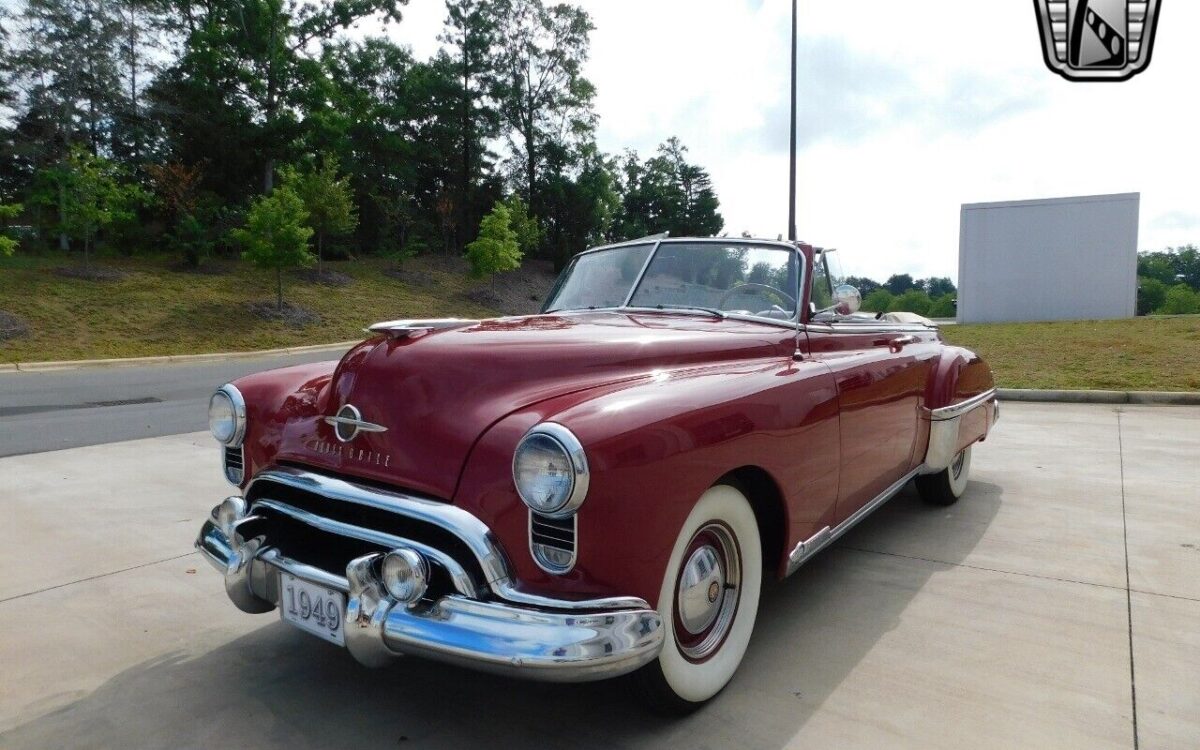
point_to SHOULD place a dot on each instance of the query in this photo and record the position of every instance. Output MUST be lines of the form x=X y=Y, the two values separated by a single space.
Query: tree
x=89 y=197
x=1181 y=300
x=8 y=212
x=667 y=194
x=496 y=248
x=1151 y=294
x=879 y=300
x=938 y=287
x=275 y=237
x=863 y=284
x=943 y=307
x=541 y=93
x=328 y=201
x=177 y=189
x=526 y=227
x=899 y=284
x=913 y=301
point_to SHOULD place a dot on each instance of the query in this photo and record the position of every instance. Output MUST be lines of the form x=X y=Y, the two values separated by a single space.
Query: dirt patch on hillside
x=12 y=327
x=412 y=278
x=326 y=277
x=91 y=273
x=519 y=292
x=292 y=315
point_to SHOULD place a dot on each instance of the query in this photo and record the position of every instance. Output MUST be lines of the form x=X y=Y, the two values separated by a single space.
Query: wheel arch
x=770 y=511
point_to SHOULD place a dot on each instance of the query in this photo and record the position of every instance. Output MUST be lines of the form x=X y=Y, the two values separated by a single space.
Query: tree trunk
x=320 y=260
x=464 y=217
x=87 y=250
x=493 y=283
x=279 y=289
x=63 y=243
x=269 y=177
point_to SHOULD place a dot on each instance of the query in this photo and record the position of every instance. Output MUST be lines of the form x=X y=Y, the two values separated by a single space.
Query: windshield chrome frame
x=801 y=275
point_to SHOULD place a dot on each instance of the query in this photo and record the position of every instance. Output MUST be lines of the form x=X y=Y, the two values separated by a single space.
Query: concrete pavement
x=1023 y=617
x=43 y=411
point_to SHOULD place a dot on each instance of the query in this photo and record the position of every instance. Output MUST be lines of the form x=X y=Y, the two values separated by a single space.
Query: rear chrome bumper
x=554 y=641
x=945 y=426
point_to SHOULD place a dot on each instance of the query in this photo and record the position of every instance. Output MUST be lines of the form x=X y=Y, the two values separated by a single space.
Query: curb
x=1161 y=398
x=80 y=364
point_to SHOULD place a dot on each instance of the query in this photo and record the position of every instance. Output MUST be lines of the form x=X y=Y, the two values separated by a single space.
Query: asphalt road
x=45 y=411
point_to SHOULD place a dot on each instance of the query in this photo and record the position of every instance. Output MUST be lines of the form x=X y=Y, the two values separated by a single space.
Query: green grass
x=1143 y=354
x=157 y=311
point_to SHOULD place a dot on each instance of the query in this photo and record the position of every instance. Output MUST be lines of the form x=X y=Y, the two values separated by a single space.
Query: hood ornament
x=349 y=422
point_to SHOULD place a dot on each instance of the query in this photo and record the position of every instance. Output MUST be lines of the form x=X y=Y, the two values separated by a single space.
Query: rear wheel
x=708 y=603
x=948 y=485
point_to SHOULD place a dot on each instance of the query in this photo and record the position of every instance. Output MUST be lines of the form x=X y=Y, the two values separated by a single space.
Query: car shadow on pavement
x=278 y=687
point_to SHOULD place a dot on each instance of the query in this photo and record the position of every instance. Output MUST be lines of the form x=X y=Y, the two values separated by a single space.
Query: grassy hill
x=155 y=309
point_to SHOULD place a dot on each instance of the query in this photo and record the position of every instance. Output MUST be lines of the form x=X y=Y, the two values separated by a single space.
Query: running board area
x=826 y=536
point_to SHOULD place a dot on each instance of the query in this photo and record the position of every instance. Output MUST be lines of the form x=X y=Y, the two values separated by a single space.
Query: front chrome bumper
x=554 y=641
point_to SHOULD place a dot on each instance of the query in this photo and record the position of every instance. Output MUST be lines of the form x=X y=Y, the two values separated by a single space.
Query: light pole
x=792 y=172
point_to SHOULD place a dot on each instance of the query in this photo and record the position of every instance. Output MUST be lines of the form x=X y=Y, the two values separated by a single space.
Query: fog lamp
x=405 y=574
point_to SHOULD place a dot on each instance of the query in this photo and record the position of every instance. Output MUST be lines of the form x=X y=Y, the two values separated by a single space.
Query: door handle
x=899 y=343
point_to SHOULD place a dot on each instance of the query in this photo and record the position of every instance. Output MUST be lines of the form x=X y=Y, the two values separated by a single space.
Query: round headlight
x=227 y=416
x=550 y=471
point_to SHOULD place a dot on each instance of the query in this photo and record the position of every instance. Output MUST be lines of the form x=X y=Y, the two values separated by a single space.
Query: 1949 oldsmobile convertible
x=596 y=490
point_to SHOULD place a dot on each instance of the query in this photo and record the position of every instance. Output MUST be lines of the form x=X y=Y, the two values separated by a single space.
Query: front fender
x=653 y=447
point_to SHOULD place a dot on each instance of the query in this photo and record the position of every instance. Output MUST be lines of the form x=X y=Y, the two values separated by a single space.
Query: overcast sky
x=907 y=110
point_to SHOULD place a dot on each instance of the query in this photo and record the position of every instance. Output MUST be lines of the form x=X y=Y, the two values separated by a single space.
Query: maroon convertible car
x=595 y=490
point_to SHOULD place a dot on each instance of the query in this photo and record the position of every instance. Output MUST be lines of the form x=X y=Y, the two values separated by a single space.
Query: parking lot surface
x=1056 y=606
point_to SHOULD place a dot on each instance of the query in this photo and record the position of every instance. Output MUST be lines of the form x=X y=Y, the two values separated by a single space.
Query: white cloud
x=907 y=111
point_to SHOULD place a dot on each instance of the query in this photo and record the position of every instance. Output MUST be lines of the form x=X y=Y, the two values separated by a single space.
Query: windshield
x=738 y=277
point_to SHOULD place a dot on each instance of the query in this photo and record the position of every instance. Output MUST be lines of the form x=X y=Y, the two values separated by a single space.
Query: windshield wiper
x=710 y=310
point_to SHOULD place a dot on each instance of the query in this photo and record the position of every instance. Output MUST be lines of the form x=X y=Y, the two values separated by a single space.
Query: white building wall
x=1056 y=259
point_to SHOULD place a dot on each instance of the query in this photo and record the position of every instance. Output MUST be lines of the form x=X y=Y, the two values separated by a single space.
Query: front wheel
x=948 y=485
x=708 y=602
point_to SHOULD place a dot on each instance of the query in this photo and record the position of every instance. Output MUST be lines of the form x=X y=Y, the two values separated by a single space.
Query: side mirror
x=846 y=300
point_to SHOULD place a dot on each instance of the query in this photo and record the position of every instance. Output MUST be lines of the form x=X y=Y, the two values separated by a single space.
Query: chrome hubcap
x=708 y=591
x=957 y=467
x=700 y=589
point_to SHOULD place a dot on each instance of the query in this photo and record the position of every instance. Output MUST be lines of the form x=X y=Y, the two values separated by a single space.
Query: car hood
x=435 y=394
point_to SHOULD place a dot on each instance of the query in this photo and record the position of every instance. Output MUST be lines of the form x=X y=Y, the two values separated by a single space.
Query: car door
x=880 y=371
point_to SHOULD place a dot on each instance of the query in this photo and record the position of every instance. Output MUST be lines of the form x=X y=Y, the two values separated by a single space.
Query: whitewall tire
x=708 y=603
x=949 y=484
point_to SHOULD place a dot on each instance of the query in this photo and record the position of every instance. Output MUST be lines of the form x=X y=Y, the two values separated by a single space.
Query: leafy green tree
x=543 y=99
x=913 y=300
x=1151 y=294
x=880 y=300
x=863 y=284
x=937 y=287
x=667 y=194
x=496 y=249
x=943 y=307
x=328 y=200
x=1181 y=300
x=275 y=236
x=88 y=194
x=526 y=227
x=899 y=283
x=8 y=212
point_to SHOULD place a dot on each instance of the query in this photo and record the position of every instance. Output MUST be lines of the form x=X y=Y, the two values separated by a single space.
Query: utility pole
x=792 y=173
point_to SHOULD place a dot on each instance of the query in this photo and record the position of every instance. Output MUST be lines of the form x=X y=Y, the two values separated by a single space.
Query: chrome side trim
x=826 y=536
x=458 y=574
x=957 y=410
x=473 y=532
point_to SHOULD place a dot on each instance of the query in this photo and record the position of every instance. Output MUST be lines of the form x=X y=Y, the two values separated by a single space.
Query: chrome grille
x=552 y=542
x=235 y=464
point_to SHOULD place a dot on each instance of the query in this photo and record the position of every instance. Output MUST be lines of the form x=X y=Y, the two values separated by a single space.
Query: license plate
x=313 y=608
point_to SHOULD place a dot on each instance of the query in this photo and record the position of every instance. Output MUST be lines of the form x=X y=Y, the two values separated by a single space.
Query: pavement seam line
x=96 y=577
x=988 y=570
x=1128 y=592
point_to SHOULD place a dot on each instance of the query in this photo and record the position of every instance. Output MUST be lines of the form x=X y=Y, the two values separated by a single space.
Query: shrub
x=943 y=307
x=878 y=301
x=1181 y=300
x=496 y=248
x=1151 y=294
x=275 y=237
x=913 y=301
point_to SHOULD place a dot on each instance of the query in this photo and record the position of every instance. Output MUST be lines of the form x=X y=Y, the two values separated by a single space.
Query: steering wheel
x=762 y=287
